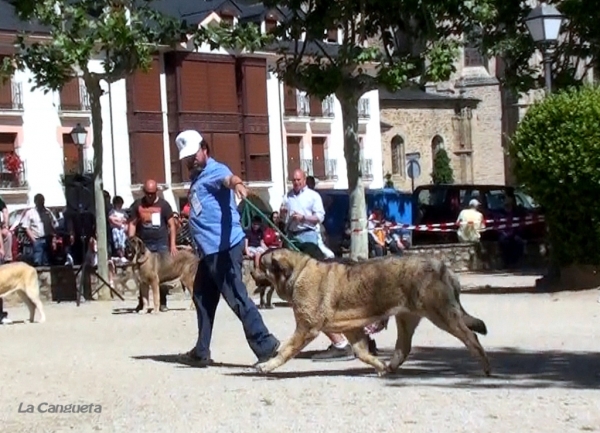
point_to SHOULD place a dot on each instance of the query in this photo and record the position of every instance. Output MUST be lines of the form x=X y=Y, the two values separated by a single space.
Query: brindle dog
x=154 y=269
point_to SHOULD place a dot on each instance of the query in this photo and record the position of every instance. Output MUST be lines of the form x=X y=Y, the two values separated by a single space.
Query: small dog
x=345 y=297
x=22 y=278
x=153 y=269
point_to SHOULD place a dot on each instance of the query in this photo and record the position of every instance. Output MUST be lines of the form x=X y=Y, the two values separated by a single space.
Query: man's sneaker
x=5 y=321
x=335 y=354
x=193 y=359
x=163 y=308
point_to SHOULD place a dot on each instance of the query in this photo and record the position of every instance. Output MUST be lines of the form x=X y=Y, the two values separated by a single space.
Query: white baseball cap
x=188 y=143
x=474 y=203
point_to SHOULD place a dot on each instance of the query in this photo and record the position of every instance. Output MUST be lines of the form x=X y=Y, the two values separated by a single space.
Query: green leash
x=247 y=214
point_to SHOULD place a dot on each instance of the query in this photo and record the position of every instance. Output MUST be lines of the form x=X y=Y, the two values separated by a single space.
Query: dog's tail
x=473 y=323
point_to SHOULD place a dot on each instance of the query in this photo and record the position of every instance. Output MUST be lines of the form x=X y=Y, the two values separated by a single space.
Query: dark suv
x=437 y=204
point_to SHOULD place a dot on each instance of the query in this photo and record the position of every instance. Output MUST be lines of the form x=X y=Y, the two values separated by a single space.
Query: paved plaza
x=544 y=349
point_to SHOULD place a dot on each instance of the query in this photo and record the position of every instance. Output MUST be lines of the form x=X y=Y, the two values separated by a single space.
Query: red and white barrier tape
x=491 y=224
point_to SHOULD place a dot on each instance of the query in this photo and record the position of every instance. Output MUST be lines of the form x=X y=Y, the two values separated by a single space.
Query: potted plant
x=13 y=163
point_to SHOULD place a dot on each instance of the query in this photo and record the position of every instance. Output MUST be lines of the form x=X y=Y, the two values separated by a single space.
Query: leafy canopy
x=556 y=150
x=123 y=34
x=383 y=42
x=504 y=33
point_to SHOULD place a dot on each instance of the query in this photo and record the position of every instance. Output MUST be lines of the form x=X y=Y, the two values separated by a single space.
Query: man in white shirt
x=40 y=224
x=303 y=211
x=470 y=223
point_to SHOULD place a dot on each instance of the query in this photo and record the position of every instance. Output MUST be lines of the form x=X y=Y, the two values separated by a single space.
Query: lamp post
x=543 y=23
x=79 y=136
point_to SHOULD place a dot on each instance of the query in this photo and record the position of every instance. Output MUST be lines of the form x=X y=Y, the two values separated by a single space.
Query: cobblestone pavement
x=544 y=349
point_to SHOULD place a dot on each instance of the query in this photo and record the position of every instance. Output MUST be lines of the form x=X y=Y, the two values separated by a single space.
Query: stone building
x=464 y=116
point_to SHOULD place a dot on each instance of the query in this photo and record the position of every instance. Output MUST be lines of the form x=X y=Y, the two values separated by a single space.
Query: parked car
x=437 y=204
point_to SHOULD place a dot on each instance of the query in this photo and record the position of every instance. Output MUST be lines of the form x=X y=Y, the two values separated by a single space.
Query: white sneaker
x=6 y=321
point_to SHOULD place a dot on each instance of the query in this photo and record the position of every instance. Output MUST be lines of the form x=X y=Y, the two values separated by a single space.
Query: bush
x=442 y=171
x=556 y=153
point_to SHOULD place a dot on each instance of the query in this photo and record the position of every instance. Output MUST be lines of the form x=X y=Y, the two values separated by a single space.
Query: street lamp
x=79 y=136
x=543 y=23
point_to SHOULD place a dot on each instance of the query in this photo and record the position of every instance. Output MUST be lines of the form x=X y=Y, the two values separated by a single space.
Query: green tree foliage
x=556 y=150
x=505 y=34
x=123 y=35
x=384 y=44
x=442 y=170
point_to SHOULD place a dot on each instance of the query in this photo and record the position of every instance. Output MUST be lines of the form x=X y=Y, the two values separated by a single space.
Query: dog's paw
x=264 y=367
x=383 y=373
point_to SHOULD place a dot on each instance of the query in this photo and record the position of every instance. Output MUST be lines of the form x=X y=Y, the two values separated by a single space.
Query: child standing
x=118 y=224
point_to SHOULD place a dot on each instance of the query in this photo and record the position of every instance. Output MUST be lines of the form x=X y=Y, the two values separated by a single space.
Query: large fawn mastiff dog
x=345 y=297
x=22 y=278
x=154 y=269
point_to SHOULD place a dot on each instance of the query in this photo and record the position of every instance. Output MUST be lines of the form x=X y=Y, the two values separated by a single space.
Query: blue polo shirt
x=214 y=219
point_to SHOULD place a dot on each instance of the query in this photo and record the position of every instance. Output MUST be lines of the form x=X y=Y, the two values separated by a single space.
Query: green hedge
x=442 y=170
x=556 y=152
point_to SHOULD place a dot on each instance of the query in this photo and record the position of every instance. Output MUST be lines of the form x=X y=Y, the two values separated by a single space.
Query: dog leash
x=260 y=213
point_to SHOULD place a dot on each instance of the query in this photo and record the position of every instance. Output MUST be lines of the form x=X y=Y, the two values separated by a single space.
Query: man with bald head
x=152 y=221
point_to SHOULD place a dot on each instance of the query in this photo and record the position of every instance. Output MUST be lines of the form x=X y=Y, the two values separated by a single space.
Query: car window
x=432 y=197
x=424 y=197
x=525 y=200
x=495 y=199
x=466 y=195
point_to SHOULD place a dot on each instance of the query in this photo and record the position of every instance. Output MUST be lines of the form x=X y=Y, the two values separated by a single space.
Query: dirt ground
x=544 y=349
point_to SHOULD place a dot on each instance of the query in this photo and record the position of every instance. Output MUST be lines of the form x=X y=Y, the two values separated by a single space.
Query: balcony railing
x=328 y=106
x=83 y=104
x=366 y=167
x=88 y=166
x=10 y=180
x=84 y=97
x=302 y=105
x=321 y=169
x=11 y=96
x=364 y=110
x=307 y=167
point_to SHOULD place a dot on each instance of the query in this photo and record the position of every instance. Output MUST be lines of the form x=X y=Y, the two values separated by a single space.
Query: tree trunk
x=359 y=248
x=95 y=91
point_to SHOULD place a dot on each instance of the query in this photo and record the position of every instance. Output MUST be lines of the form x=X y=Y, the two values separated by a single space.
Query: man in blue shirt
x=218 y=235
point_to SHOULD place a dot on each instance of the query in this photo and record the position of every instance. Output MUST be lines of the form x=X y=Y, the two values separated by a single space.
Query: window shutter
x=289 y=101
x=69 y=96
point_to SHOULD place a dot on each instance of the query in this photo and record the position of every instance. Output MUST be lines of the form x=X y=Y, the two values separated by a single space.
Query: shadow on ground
x=498 y=290
x=511 y=368
x=524 y=272
x=134 y=311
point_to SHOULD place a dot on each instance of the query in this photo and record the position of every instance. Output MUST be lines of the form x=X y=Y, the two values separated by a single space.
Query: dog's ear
x=282 y=267
x=142 y=246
